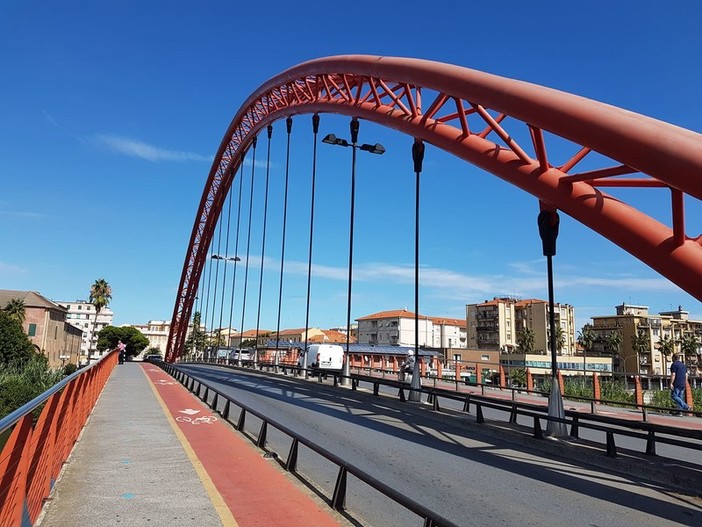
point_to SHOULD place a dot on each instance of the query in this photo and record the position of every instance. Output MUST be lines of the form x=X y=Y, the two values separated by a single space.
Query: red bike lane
x=246 y=489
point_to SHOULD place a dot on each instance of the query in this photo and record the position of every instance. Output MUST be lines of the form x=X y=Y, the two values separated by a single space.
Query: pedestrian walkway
x=152 y=454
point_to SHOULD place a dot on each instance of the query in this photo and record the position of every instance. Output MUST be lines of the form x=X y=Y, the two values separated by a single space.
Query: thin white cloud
x=135 y=148
x=10 y=269
x=23 y=214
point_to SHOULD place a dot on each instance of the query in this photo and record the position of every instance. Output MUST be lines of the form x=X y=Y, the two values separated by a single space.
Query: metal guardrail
x=211 y=396
x=610 y=426
x=34 y=452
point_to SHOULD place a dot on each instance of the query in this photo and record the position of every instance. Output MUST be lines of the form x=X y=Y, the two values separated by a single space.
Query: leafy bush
x=21 y=382
x=69 y=369
x=662 y=398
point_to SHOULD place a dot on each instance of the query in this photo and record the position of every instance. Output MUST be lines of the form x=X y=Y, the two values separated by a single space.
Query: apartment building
x=496 y=324
x=397 y=328
x=81 y=314
x=156 y=332
x=45 y=324
x=642 y=336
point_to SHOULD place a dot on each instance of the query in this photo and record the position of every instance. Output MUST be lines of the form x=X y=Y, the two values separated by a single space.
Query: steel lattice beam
x=467 y=115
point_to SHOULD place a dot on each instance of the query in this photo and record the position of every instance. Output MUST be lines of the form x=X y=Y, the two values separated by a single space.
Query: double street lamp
x=378 y=149
x=227 y=258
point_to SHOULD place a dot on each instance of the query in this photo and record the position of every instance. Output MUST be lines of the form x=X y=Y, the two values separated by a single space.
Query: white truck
x=325 y=357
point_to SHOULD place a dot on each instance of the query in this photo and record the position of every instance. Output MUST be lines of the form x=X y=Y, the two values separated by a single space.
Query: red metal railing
x=34 y=453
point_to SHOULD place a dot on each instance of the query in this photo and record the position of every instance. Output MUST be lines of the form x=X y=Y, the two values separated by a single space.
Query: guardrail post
x=354 y=385
x=262 y=435
x=513 y=414
x=225 y=411
x=215 y=400
x=336 y=380
x=574 y=429
x=466 y=404
x=651 y=443
x=538 y=433
x=402 y=395
x=611 y=447
x=376 y=388
x=291 y=462
x=207 y=394
x=435 y=403
x=241 y=421
x=339 y=497
x=479 y=413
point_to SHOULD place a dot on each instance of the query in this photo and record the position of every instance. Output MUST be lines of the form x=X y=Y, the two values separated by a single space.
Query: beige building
x=45 y=324
x=156 y=332
x=631 y=322
x=397 y=328
x=81 y=314
x=496 y=324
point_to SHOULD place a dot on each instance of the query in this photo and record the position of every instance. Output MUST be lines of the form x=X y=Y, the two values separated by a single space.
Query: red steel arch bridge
x=482 y=119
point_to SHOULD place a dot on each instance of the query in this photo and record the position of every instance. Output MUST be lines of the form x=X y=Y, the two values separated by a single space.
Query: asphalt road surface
x=468 y=477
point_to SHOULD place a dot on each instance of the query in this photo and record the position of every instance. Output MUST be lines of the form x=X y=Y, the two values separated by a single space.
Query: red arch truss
x=468 y=113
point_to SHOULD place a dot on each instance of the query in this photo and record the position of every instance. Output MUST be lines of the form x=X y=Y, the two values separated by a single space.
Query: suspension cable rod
x=248 y=246
x=288 y=124
x=315 y=131
x=263 y=237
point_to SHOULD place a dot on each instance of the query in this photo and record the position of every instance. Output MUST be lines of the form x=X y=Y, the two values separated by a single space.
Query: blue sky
x=111 y=112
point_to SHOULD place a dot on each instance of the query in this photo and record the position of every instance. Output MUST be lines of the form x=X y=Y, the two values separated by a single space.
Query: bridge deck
x=152 y=454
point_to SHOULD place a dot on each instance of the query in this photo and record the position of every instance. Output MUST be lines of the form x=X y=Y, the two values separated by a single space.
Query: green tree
x=100 y=297
x=666 y=347
x=15 y=309
x=15 y=346
x=197 y=339
x=525 y=341
x=134 y=339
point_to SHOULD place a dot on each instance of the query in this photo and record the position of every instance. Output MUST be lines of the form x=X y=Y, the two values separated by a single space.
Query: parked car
x=153 y=357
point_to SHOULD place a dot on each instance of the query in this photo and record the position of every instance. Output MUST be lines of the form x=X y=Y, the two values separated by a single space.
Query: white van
x=326 y=357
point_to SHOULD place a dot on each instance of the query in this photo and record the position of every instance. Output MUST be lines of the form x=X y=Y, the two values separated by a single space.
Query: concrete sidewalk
x=135 y=466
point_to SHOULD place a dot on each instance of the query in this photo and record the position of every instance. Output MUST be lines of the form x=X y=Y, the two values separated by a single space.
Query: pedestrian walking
x=678 y=383
x=122 y=347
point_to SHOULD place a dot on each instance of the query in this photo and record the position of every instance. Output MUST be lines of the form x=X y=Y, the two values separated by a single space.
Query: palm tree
x=525 y=341
x=666 y=346
x=100 y=297
x=613 y=342
x=688 y=344
x=586 y=338
x=640 y=343
x=560 y=339
x=15 y=309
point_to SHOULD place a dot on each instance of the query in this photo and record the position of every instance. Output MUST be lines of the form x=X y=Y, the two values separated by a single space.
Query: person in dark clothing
x=678 y=382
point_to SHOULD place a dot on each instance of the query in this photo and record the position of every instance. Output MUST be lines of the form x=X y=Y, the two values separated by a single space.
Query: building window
x=80 y=307
x=32 y=330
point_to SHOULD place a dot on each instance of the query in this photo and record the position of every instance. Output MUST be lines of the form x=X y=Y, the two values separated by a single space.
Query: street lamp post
x=378 y=149
x=548 y=222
